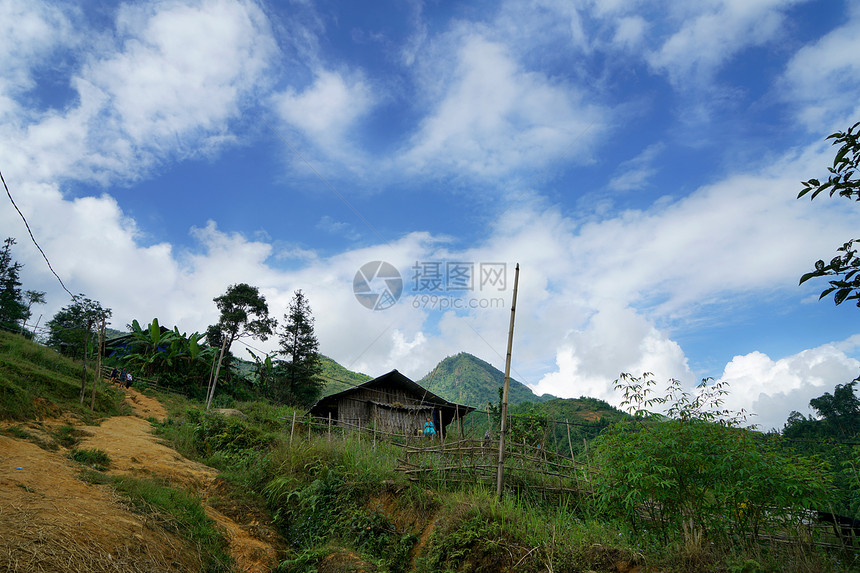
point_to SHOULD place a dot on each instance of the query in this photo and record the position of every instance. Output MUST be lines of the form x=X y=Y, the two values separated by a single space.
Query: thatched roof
x=419 y=397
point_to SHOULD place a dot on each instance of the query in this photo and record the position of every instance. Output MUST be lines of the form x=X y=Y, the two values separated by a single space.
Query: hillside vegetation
x=466 y=379
x=336 y=501
x=337 y=378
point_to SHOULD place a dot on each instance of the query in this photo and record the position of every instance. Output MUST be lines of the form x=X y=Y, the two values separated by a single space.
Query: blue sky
x=640 y=161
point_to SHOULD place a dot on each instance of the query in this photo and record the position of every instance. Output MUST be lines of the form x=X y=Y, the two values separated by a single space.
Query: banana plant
x=263 y=369
x=149 y=347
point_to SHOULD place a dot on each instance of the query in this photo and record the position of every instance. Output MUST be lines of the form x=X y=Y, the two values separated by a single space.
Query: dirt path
x=50 y=519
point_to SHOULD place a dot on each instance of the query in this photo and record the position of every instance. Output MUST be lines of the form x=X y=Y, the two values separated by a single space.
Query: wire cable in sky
x=32 y=237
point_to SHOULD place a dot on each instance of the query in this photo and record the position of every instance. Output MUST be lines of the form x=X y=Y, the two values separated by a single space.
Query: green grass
x=95 y=458
x=37 y=382
x=173 y=510
x=17 y=432
x=182 y=513
x=66 y=436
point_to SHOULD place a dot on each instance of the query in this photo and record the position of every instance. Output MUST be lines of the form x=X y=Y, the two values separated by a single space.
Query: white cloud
x=771 y=389
x=328 y=109
x=329 y=225
x=168 y=89
x=630 y=32
x=417 y=38
x=740 y=235
x=495 y=117
x=823 y=78
x=93 y=247
x=31 y=32
x=614 y=340
x=636 y=173
x=711 y=32
x=182 y=68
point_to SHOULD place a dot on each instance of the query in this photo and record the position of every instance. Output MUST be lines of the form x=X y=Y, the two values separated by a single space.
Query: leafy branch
x=843 y=181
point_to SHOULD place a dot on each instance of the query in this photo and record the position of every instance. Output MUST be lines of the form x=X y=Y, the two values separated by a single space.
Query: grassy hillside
x=339 y=504
x=466 y=379
x=337 y=378
x=37 y=382
x=574 y=409
x=563 y=425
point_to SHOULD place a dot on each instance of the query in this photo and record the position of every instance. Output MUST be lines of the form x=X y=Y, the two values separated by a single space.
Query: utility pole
x=500 y=476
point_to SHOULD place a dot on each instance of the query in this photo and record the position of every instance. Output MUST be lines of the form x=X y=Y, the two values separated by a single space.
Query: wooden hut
x=391 y=403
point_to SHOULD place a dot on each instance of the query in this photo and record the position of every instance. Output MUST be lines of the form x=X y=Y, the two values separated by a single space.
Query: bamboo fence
x=537 y=472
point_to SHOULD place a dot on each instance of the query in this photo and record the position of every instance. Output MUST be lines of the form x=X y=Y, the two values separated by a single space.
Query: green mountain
x=466 y=379
x=337 y=378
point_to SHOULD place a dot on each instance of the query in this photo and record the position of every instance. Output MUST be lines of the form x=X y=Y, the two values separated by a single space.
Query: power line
x=9 y=194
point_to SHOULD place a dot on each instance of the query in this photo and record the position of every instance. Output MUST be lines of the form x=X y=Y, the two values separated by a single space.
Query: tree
x=844 y=181
x=176 y=359
x=71 y=329
x=31 y=297
x=838 y=416
x=13 y=310
x=244 y=312
x=148 y=346
x=825 y=435
x=296 y=376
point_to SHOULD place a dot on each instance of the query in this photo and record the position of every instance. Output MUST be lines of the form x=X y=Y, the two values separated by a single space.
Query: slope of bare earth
x=52 y=521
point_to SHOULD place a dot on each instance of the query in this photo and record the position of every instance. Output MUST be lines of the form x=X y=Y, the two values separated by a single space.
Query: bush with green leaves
x=216 y=432
x=695 y=468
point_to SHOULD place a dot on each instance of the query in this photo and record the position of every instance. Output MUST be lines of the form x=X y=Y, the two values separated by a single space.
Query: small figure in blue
x=114 y=376
x=429 y=429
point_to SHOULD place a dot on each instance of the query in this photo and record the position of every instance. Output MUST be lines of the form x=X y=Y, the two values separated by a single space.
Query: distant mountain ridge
x=462 y=378
x=466 y=379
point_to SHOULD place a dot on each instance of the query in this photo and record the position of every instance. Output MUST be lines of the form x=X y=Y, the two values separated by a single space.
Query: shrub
x=696 y=469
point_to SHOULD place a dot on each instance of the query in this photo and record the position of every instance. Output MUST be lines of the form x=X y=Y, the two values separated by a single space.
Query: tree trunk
x=217 y=372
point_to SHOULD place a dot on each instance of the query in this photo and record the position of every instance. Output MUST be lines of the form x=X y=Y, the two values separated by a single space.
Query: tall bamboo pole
x=500 y=475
